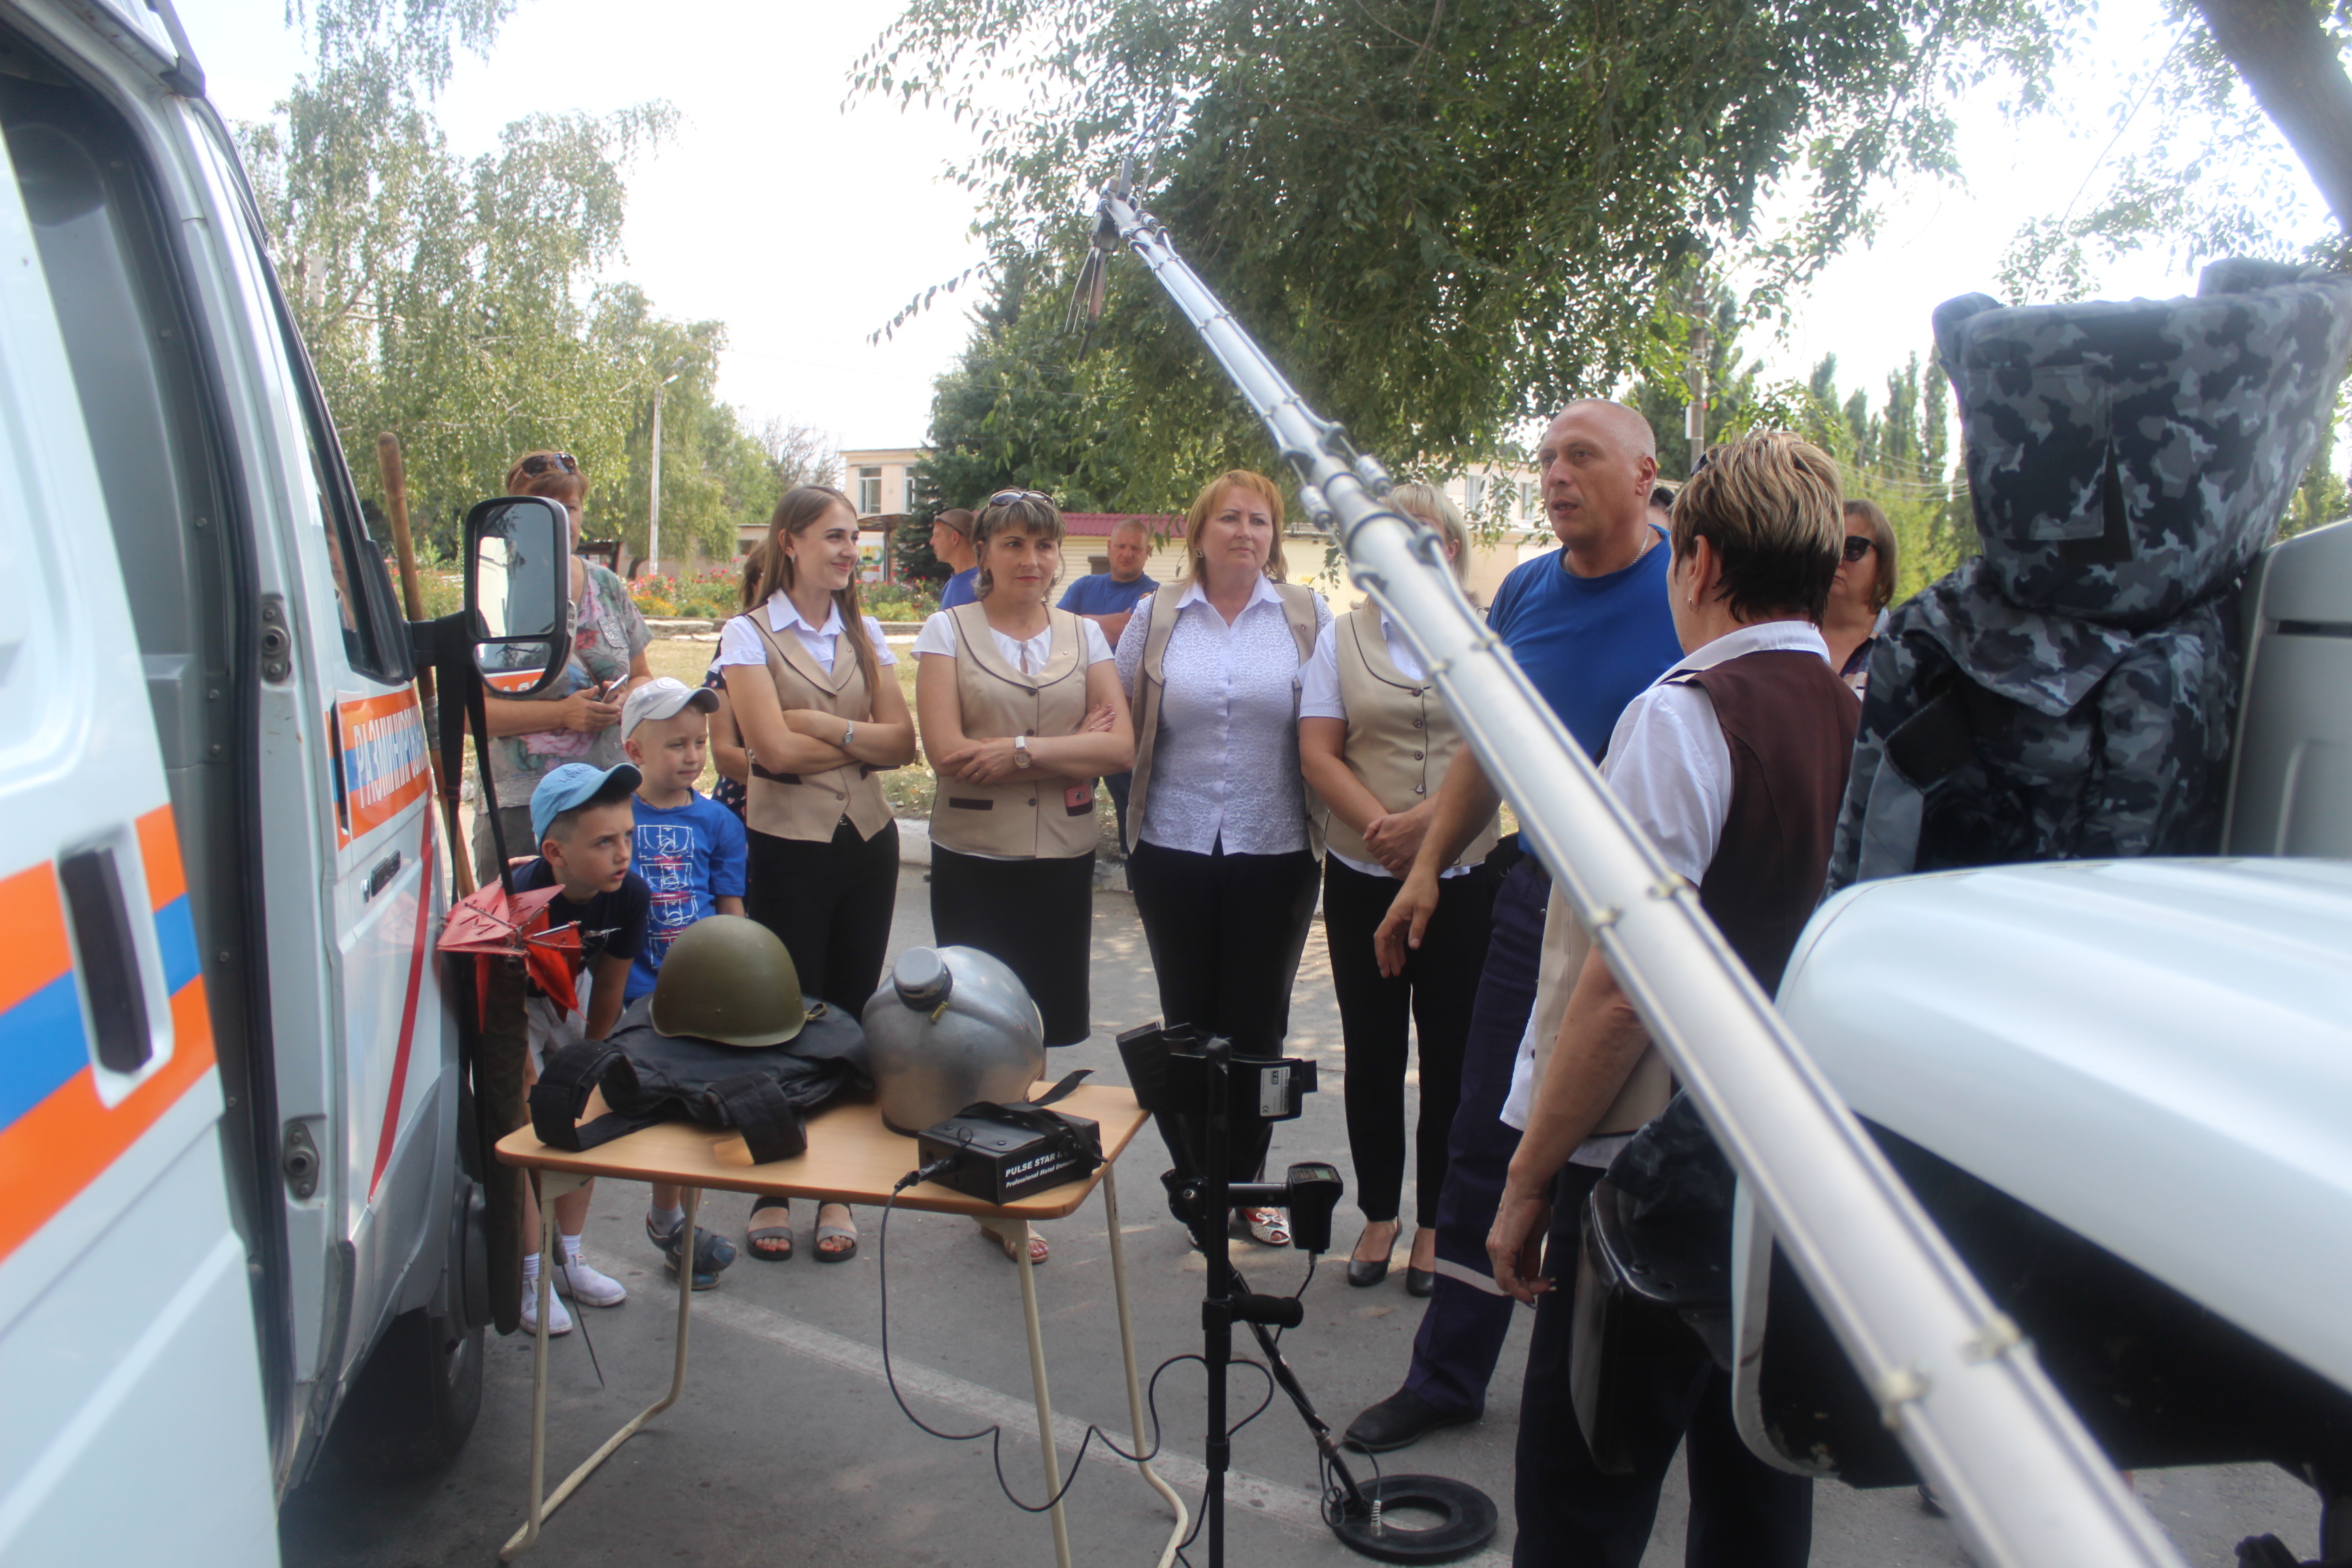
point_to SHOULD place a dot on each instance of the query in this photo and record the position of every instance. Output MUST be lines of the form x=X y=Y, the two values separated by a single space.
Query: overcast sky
x=804 y=225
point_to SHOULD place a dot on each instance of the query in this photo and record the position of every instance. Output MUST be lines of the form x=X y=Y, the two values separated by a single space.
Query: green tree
x=1441 y=220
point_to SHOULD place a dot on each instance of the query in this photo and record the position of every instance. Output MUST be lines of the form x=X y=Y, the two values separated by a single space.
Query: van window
x=115 y=291
x=374 y=630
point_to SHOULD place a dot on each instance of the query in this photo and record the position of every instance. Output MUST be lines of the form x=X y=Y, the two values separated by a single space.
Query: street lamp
x=653 y=508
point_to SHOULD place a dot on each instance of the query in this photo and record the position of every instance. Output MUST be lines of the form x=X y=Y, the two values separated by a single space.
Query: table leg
x=1020 y=1233
x=1134 y=1386
x=523 y=1538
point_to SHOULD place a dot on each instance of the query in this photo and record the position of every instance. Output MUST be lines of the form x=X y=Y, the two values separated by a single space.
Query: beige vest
x=1400 y=735
x=812 y=806
x=1566 y=945
x=1034 y=813
x=1151 y=683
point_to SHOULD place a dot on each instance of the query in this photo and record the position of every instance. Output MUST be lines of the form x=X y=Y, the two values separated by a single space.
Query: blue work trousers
x=1462 y=1330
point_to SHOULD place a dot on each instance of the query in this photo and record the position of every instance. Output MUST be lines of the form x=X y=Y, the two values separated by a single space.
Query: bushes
x=713 y=595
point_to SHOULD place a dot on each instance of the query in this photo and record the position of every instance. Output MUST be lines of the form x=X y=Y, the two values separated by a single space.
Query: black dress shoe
x=1363 y=1273
x=1402 y=1419
x=1420 y=1281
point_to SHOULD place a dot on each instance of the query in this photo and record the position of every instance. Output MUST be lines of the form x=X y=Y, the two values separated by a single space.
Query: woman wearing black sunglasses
x=576 y=719
x=1859 y=597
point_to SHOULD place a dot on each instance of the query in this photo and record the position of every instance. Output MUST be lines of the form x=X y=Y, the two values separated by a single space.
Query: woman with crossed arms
x=1374 y=741
x=1021 y=712
x=805 y=683
x=1219 y=849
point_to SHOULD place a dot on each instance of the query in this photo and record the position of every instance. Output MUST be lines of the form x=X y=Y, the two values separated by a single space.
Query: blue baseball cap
x=566 y=787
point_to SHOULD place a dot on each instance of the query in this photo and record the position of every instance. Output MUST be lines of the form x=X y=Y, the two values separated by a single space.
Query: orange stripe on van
x=54 y=1151
x=159 y=847
x=36 y=952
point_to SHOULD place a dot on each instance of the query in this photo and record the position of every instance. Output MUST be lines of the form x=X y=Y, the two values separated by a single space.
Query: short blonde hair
x=1434 y=507
x=1258 y=484
x=1028 y=511
x=1769 y=505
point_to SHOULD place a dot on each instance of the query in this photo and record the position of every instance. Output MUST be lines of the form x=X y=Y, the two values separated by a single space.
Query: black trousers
x=1225 y=933
x=1743 y=1512
x=830 y=904
x=1037 y=915
x=1431 y=1000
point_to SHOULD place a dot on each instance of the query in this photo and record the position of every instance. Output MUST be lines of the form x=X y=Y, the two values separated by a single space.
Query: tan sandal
x=1038 y=1249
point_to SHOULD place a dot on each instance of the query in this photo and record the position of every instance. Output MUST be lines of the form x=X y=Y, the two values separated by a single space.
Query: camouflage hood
x=2125 y=459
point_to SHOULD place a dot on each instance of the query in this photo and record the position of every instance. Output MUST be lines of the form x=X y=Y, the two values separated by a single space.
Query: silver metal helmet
x=952 y=1027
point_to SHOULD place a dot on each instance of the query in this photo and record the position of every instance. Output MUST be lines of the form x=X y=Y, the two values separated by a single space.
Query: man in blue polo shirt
x=1591 y=627
x=1108 y=599
x=951 y=541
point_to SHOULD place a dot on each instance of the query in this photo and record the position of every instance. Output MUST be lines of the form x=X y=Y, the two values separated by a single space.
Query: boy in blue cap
x=585 y=821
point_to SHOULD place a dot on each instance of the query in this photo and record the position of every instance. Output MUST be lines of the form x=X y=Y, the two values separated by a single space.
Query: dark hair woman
x=803 y=667
x=1374 y=741
x=1734 y=763
x=1021 y=712
x=576 y=719
x=1864 y=587
x=1220 y=854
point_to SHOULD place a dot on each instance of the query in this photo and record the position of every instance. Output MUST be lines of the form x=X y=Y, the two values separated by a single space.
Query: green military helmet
x=729 y=979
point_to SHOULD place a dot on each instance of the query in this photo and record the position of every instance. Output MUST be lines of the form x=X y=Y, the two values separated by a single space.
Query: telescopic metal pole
x=1952 y=1377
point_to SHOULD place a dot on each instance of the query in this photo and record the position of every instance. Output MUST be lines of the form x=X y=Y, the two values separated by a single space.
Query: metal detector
x=1200 y=1094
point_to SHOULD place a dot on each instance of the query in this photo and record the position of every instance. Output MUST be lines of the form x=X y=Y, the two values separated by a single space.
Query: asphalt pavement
x=788 y=1447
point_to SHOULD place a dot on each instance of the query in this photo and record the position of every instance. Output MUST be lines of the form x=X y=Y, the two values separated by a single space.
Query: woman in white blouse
x=1021 y=712
x=1220 y=854
x=1374 y=741
x=804 y=673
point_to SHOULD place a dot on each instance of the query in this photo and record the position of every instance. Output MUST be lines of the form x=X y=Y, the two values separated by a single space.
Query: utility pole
x=1695 y=412
x=653 y=507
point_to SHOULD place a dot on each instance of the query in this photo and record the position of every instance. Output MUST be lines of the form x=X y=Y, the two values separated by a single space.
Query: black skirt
x=1037 y=915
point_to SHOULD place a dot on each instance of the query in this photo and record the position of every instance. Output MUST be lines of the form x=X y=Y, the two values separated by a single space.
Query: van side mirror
x=518 y=592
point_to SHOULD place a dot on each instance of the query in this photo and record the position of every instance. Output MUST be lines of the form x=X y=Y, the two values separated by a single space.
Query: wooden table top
x=851 y=1158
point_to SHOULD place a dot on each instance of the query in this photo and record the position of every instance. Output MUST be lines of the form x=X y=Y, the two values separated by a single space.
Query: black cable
x=995 y=1430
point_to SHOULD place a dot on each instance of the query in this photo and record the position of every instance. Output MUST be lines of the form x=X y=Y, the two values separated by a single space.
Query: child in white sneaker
x=585 y=826
x=690 y=850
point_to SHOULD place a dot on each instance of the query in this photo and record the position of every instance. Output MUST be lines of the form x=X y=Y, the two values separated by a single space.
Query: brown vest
x=1032 y=814
x=812 y=806
x=1789 y=722
x=1400 y=735
x=1151 y=681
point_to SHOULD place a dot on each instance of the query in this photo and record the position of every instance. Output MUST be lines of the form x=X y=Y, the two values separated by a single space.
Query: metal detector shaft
x=1952 y=1377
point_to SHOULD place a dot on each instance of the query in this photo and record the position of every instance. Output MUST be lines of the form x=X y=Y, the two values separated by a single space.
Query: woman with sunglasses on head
x=1021 y=712
x=575 y=719
x=808 y=688
x=1859 y=597
x=1374 y=741
x=1220 y=851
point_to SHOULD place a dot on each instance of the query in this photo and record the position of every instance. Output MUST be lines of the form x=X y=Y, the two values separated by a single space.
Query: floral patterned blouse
x=607 y=634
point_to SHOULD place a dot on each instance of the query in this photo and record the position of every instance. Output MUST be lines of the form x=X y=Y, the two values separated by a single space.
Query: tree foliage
x=456 y=301
x=1442 y=217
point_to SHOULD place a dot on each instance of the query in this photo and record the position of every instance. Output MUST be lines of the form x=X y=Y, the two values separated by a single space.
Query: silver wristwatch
x=848 y=734
x=1020 y=751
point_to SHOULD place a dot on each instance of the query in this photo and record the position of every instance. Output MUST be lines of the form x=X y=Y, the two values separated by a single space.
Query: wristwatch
x=1020 y=751
x=848 y=734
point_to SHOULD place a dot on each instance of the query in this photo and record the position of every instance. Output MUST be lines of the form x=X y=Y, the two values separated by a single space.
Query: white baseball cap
x=662 y=697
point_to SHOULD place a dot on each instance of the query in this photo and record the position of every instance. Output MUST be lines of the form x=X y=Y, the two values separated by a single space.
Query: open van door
x=127 y=1346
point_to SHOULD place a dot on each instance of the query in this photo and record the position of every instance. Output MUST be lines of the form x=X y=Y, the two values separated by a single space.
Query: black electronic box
x=1006 y=1153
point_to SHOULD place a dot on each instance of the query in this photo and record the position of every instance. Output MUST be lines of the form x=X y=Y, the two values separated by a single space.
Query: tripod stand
x=1198 y=1089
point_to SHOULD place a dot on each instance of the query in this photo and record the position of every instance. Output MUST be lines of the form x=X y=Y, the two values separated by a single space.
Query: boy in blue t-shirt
x=690 y=850
x=580 y=817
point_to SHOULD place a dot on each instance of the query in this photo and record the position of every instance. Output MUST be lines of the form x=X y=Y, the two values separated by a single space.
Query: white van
x=239 y=1209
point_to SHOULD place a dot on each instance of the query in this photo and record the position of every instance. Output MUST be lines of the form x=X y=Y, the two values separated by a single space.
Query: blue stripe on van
x=176 y=934
x=41 y=1045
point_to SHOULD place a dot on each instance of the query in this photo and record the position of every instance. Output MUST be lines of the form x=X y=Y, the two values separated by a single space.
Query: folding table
x=851 y=1158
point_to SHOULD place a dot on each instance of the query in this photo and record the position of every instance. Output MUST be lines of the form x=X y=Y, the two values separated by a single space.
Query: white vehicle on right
x=2124 y=1090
